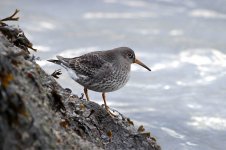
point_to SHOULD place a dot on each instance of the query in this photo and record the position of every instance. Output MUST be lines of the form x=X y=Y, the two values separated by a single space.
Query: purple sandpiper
x=101 y=71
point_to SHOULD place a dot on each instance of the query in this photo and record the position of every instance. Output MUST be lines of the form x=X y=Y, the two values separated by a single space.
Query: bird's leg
x=86 y=93
x=104 y=98
x=106 y=107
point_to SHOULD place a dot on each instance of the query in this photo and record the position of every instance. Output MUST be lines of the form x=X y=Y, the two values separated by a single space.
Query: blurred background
x=182 y=101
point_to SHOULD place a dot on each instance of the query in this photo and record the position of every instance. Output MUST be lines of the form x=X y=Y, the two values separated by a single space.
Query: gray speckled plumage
x=101 y=71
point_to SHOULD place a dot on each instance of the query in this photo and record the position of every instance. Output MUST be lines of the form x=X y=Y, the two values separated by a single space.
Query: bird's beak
x=142 y=64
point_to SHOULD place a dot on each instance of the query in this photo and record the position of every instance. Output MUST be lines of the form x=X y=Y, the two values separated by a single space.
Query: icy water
x=182 y=101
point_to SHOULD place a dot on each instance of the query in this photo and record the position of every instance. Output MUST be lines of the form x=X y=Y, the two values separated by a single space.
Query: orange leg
x=86 y=94
x=106 y=107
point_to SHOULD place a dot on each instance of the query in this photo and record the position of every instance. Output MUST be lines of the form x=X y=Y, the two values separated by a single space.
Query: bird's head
x=130 y=57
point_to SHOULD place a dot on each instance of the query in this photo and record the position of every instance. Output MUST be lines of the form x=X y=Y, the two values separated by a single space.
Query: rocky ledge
x=37 y=113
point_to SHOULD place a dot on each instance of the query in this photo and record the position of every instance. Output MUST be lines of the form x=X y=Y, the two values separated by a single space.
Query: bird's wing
x=89 y=65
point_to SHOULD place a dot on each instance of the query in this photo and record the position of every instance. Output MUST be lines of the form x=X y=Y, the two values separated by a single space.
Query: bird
x=101 y=71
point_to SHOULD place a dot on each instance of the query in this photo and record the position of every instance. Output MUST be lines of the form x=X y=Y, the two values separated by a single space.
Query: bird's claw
x=110 y=113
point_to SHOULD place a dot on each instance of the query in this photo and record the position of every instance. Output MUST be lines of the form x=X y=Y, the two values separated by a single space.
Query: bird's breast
x=108 y=81
x=114 y=80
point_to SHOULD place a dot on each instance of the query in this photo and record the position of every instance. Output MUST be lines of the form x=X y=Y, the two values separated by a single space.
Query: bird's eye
x=130 y=55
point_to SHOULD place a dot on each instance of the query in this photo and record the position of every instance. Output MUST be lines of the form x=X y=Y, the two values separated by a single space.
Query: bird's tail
x=61 y=61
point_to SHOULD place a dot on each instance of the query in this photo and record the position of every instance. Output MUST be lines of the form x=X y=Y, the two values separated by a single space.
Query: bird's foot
x=110 y=113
